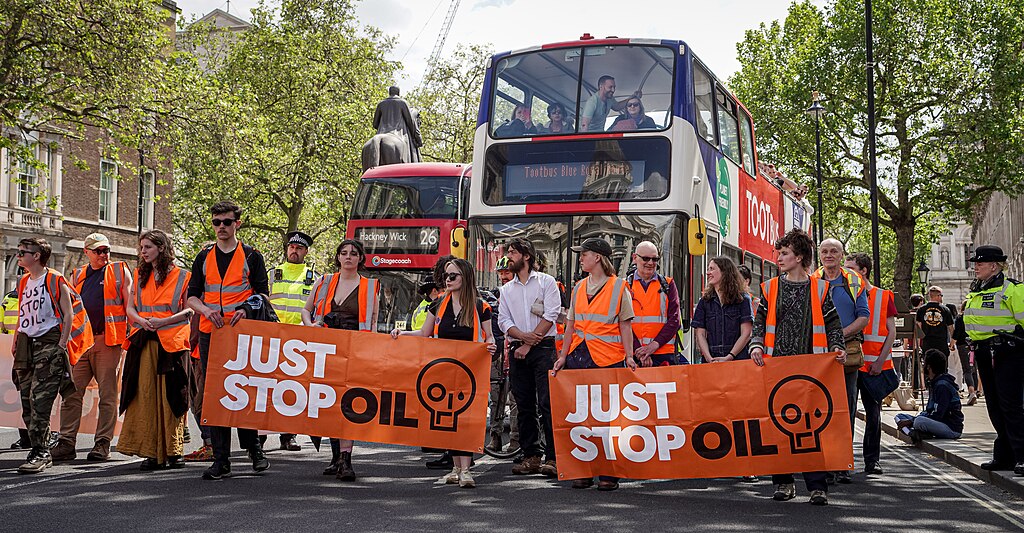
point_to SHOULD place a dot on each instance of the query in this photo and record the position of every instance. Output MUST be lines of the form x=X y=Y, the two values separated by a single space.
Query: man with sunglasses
x=224 y=276
x=103 y=286
x=656 y=306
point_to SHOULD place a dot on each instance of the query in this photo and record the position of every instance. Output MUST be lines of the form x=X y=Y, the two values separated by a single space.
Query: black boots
x=345 y=471
x=332 y=469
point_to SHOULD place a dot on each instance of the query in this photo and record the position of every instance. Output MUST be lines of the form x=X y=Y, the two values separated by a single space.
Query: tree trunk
x=903 y=270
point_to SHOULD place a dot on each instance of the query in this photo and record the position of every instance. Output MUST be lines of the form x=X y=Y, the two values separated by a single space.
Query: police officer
x=994 y=320
x=10 y=307
x=429 y=292
x=290 y=284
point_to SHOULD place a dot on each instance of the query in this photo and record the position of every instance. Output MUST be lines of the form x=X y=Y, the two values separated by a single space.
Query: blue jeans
x=930 y=427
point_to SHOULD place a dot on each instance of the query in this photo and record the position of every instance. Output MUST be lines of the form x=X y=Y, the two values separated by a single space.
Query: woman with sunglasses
x=559 y=123
x=343 y=300
x=447 y=318
x=153 y=384
x=633 y=117
x=723 y=320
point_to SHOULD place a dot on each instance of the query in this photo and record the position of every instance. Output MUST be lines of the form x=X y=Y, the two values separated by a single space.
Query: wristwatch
x=730 y=354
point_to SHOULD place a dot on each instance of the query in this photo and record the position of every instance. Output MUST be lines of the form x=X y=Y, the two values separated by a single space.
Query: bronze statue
x=398 y=133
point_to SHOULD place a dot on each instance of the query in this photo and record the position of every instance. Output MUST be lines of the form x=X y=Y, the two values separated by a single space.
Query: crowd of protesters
x=70 y=331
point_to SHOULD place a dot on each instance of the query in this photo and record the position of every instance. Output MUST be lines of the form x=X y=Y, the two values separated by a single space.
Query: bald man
x=656 y=305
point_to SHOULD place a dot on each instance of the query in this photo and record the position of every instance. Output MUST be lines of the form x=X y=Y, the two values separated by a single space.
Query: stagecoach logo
x=723 y=197
x=378 y=261
x=804 y=423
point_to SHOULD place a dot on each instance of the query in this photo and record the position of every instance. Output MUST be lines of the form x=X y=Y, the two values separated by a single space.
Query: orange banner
x=348 y=384
x=10 y=398
x=701 y=421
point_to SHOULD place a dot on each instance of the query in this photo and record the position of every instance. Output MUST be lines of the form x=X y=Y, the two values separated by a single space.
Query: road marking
x=1011 y=515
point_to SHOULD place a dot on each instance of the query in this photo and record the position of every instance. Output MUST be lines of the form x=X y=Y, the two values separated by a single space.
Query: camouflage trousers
x=39 y=386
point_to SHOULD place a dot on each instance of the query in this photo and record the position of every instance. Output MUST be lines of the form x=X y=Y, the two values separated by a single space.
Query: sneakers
x=530 y=465
x=784 y=491
x=549 y=469
x=259 y=459
x=819 y=497
x=441 y=463
x=202 y=454
x=452 y=477
x=37 y=462
x=972 y=399
x=843 y=476
x=64 y=451
x=466 y=480
x=289 y=443
x=872 y=468
x=915 y=436
x=217 y=471
x=100 y=451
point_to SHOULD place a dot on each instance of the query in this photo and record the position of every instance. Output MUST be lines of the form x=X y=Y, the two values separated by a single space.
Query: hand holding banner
x=698 y=421
x=348 y=384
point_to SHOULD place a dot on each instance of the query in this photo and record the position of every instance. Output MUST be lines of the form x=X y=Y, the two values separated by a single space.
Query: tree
x=276 y=121
x=66 y=66
x=948 y=106
x=448 y=101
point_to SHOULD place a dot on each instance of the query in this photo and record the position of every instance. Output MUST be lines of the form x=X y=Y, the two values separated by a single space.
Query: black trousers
x=1001 y=369
x=872 y=423
x=528 y=378
x=813 y=480
x=220 y=437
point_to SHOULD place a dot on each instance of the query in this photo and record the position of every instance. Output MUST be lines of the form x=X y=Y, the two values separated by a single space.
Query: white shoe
x=466 y=480
x=452 y=477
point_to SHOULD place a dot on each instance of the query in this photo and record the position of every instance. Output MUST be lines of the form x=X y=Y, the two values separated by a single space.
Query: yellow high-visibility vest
x=289 y=290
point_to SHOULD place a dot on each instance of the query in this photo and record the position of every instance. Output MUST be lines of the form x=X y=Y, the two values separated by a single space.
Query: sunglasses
x=555 y=112
x=648 y=259
x=102 y=251
x=23 y=253
x=222 y=222
x=452 y=276
x=633 y=104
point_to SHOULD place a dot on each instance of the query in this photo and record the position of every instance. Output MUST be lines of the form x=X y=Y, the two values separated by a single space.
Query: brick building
x=67 y=202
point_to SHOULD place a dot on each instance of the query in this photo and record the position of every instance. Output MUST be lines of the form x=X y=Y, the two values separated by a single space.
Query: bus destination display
x=399 y=240
x=574 y=180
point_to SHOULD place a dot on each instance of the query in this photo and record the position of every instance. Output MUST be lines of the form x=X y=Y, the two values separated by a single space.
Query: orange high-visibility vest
x=854 y=281
x=819 y=341
x=115 y=318
x=228 y=293
x=367 y=297
x=597 y=321
x=877 y=329
x=478 y=332
x=162 y=301
x=80 y=339
x=651 y=309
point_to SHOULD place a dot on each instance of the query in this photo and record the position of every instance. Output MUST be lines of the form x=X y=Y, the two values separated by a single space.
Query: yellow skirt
x=150 y=428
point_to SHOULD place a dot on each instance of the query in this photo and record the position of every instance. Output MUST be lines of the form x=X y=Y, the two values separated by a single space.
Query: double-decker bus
x=407 y=216
x=626 y=180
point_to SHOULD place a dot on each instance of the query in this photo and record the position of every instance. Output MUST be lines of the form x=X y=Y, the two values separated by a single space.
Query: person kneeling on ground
x=942 y=417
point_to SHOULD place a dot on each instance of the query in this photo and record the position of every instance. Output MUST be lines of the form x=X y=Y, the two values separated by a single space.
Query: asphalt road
x=396 y=493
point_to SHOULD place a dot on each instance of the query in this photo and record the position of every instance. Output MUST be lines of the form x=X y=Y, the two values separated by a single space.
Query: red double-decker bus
x=407 y=216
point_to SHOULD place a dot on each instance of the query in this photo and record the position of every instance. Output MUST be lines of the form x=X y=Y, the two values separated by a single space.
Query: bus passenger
x=794 y=305
x=343 y=300
x=633 y=117
x=445 y=320
x=558 y=122
x=656 y=304
x=723 y=320
x=596 y=108
x=601 y=337
x=520 y=124
x=745 y=277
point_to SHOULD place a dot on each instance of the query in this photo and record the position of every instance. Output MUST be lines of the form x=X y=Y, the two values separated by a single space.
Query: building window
x=146 y=193
x=108 y=191
x=28 y=183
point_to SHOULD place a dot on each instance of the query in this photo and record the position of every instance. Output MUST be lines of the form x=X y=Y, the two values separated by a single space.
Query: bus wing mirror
x=460 y=248
x=697 y=233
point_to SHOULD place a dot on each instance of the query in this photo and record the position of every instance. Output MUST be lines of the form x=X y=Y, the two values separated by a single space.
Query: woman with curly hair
x=154 y=384
x=723 y=318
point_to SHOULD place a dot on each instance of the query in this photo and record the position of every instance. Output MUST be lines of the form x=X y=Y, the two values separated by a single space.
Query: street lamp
x=922 y=275
x=816 y=110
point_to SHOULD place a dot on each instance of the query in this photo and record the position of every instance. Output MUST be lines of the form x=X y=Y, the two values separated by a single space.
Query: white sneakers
x=460 y=476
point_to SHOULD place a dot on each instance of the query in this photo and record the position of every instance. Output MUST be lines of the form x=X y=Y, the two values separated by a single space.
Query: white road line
x=1011 y=515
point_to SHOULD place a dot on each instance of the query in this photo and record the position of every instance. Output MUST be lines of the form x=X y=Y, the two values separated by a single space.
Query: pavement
x=966 y=453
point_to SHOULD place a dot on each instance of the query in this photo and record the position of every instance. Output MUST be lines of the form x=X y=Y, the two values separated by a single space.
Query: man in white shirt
x=527 y=311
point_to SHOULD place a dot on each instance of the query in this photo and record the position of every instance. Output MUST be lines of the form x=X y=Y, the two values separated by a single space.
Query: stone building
x=948 y=264
x=68 y=201
x=1000 y=221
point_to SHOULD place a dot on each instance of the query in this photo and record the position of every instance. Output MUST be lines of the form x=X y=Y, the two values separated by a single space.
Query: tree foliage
x=948 y=106
x=276 y=120
x=448 y=100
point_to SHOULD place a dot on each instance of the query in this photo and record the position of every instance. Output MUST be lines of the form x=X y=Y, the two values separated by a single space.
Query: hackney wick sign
x=348 y=384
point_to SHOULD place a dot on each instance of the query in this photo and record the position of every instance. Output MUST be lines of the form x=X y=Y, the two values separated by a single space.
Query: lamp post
x=816 y=110
x=922 y=275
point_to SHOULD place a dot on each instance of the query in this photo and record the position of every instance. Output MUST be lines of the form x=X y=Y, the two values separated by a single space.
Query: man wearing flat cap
x=290 y=283
x=994 y=320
